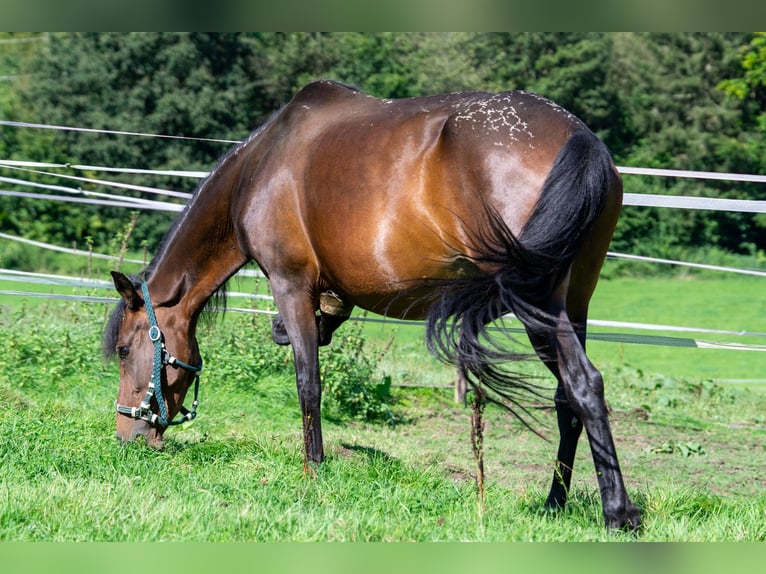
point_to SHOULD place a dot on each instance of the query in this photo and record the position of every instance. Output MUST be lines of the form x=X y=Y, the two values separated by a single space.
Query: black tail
x=528 y=269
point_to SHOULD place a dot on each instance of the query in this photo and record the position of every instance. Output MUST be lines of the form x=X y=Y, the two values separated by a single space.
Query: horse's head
x=153 y=383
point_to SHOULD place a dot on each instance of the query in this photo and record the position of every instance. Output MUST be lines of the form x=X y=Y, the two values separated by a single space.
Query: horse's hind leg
x=570 y=426
x=584 y=389
x=580 y=402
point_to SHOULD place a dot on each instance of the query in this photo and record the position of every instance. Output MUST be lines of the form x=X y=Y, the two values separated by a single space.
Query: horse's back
x=379 y=194
x=369 y=150
x=502 y=119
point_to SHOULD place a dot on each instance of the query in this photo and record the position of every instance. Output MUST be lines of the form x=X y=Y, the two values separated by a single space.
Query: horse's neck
x=202 y=251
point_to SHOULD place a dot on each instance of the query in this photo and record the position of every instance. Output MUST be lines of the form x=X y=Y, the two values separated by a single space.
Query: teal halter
x=161 y=358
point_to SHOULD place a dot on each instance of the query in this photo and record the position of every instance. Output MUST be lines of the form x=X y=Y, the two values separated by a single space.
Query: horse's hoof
x=629 y=520
x=278 y=331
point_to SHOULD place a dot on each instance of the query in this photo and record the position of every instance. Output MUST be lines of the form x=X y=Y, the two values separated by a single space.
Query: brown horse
x=456 y=208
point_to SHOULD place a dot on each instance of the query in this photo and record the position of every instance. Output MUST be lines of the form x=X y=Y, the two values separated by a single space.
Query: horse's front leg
x=297 y=315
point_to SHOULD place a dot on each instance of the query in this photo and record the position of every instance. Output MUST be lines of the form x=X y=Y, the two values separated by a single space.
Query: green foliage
x=240 y=353
x=576 y=70
x=246 y=353
x=656 y=391
x=753 y=62
x=52 y=356
x=386 y=64
x=351 y=385
x=684 y=448
x=748 y=88
x=679 y=100
x=163 y=83
x=680 y=119
x=15 y=255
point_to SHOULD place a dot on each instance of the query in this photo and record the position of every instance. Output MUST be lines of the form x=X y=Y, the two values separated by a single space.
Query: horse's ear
x=128 y=291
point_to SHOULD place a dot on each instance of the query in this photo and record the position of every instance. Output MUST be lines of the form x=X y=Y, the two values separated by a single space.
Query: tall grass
x=692 y=453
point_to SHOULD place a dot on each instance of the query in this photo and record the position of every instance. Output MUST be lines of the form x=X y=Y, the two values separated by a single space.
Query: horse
x=456 y=208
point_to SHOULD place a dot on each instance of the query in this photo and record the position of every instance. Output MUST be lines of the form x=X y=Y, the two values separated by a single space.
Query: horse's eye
x=123 y=352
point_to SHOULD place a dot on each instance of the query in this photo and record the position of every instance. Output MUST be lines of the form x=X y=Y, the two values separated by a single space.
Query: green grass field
x=728 y=304
x=692 y=448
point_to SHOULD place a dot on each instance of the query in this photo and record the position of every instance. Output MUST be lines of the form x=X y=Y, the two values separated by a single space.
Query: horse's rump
x=526 y=270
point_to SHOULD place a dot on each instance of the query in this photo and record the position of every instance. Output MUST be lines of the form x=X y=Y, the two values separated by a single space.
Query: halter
x=161 y=358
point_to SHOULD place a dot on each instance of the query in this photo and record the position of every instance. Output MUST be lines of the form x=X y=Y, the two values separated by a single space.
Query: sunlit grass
x=692 y=453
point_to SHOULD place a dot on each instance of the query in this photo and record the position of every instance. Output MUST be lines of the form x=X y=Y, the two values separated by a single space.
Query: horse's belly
x=397 y=284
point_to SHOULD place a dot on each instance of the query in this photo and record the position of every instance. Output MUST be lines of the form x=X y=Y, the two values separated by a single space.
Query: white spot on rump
x=496 y=114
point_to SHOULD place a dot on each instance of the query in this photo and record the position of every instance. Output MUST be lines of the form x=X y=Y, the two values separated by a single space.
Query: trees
x=385 y=64
x=684 y=101
x=680 y=119
x=749 y=88
x=575 y=70
x=163 y=83
x=751 y=85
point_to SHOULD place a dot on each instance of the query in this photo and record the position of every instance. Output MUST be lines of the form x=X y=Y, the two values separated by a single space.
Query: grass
x=734 y=304
x=722 y=303
x=692 y=451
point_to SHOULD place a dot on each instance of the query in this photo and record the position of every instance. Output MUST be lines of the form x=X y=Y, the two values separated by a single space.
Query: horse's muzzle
x=136 y=428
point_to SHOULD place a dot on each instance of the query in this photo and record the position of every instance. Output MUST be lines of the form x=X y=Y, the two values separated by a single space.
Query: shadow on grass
x=373 y=454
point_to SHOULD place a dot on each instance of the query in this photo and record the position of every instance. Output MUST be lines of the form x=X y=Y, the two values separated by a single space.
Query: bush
x=350 y=385
x=351 y=388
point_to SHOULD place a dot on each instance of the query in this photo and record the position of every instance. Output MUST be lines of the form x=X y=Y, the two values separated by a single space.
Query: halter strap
x=154 y=389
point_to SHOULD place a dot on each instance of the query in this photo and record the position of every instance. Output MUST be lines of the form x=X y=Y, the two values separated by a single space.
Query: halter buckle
x=154 y=333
